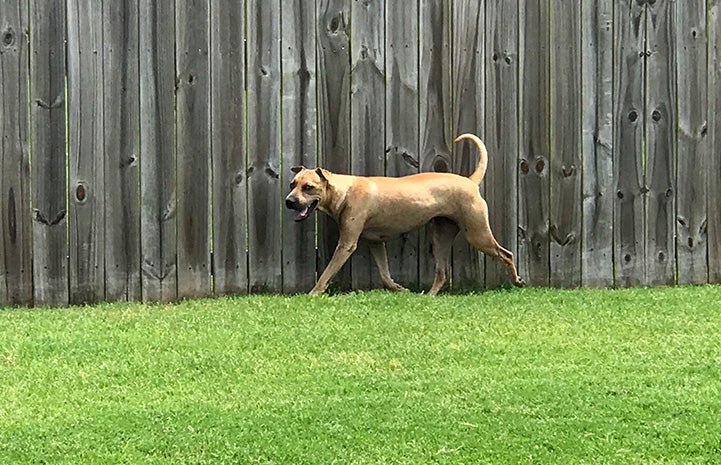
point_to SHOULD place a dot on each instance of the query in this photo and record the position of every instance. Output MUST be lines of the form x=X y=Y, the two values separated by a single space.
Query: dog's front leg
x=378 y=251
x=345 y=248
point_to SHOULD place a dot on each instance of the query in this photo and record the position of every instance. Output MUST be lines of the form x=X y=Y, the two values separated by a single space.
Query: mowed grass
x=509 y=376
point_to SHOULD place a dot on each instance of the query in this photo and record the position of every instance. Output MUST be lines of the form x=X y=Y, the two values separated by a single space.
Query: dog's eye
x=307 y=187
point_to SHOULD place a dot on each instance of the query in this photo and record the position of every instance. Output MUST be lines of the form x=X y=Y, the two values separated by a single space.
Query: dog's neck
x=337 y=190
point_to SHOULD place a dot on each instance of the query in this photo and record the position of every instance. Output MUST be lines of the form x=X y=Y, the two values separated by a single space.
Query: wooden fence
x=147 y=144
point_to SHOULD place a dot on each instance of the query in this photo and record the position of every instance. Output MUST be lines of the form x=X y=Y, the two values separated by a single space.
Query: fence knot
x=40 y=218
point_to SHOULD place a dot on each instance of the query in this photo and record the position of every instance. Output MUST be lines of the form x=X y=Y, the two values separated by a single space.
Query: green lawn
x=510 y=376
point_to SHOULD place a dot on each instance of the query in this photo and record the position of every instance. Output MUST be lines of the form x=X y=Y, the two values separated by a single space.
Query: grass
x=509 y=376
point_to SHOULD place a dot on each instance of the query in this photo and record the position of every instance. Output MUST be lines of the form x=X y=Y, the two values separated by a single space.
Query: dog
x=379 y=209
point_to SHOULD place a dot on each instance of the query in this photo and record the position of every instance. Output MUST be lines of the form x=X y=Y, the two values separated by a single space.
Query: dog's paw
x=520 y=282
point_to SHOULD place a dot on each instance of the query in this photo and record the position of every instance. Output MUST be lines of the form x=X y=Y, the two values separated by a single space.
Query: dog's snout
x=291 y=202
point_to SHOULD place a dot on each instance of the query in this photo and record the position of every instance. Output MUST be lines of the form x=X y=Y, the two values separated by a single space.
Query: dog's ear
x=297 y=169
x=323 y=174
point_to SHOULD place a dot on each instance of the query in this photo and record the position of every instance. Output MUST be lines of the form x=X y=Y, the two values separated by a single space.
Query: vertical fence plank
x=565 y=169
x=333 y=113
x=16 y=240
x=401 y=22
x=714 y=129
x=193 y=147
x=122 y=181
x=47 y=133
x=660 y=144
x=533 y=202
x=157 y=150
x=299 y=117
x=435 y=106
x=227 y=57
x=264 y=203
x=86 y=151
x=597 y=142
x=692 y=167
x=628 y=213
x=367 y=114
x=468 y=107
x=501 y=129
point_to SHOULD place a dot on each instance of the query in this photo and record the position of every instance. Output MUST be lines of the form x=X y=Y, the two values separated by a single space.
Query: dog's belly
x=386 y=233
x=388 y=228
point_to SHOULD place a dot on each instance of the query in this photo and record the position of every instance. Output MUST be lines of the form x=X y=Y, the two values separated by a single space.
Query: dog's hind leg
x=443 y=233
x=506 y=257
x=380 y=256
x=481 y=237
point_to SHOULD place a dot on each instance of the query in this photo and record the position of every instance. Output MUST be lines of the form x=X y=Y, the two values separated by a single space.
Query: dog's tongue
x=300 y=214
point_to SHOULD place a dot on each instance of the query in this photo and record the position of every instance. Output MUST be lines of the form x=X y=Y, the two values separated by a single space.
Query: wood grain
x=714 y=128
x=264 y=201
x=660 y=161
x=47 y=132
x=693 y=143
x=121 y=115
x=468 y=107
x=192 y=113
x=402 y=156
x=501 y=131
x=333 y=57
x=533 y=189
x=629 y=50
x=299 y=128
x=435 y=107
x=597 y=142
x=367 y=118
x=158 y=212
x=86 y=148
x=16 y=237
x=565 y=169
x=229 y=188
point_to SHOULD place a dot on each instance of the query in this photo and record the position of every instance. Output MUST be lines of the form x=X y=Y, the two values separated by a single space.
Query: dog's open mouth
x=300 y=215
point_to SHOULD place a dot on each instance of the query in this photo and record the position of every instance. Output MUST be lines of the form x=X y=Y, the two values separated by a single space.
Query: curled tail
x=480 y=171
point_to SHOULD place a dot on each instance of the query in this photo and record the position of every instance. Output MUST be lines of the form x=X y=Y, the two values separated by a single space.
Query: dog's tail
x=480 y=171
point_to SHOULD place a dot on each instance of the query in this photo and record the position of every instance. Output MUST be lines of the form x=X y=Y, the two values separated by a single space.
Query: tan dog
x=382 y=208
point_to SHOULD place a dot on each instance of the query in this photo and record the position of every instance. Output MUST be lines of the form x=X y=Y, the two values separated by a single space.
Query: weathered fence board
x=85 y=142
x=16 y=239
x=714 y=135
x=501 y=129
x=660 y=144
x=597 y=142
x=47 y=133
x=401 y=23
x=121 y=115
x=533 y=204
x=565 y=161
x=468 y=107
x=630 y=51
x=299 y=146
x=192 y=112
x=367 y=115
x=692 y=168
x=229 y=188
x=264 y=77
x=157 y=151
x=435 y=107
x=333 y=47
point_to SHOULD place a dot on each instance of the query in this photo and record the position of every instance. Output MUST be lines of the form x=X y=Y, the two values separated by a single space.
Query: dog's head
x=307 y=190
